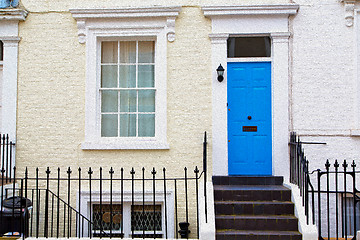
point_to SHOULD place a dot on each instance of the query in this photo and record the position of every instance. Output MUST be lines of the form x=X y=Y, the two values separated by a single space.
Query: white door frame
x=270 y=20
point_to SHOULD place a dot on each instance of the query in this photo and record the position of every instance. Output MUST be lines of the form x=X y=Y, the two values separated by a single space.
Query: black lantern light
x=220 y=72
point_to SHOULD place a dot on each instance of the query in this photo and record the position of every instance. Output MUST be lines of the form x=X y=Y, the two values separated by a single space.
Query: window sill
x=114 y=144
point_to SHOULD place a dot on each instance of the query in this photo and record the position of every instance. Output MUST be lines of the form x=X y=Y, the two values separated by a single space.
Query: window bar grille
x=166 y=228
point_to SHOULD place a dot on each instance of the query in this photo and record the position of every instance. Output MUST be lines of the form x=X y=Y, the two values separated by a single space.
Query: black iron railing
x=7 y=158
x=329 y=195
x=120 y=203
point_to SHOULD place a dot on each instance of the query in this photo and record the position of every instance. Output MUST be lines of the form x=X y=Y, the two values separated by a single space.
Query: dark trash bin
x=15 y=215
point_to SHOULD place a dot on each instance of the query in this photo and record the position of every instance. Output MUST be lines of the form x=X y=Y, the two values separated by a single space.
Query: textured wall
x=324 y=79
x=51 y=95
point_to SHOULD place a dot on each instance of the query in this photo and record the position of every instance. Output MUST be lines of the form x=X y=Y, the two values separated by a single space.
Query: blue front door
x=249 y=118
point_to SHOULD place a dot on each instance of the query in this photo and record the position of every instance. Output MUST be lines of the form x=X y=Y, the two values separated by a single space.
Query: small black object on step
x=184 y=229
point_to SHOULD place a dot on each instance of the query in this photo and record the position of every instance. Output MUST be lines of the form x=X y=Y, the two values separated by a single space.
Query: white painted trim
x=13 y=14
x=308 y=231
x=250 y=59
x=249 y=21
x=94 y=32
x=9 y=82
x=285 y=9
x=207 y=230
x=127 y=199
x=82 y=16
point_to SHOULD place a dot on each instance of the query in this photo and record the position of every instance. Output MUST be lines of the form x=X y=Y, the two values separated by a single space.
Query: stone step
x=247 y=180
x=257 y=223
x=251 y=193
x=258 y=235
x=254 y=208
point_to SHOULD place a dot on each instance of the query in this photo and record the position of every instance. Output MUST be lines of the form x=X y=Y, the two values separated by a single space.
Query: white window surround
x=256 y=20
x=94 y=25
x=9 y=35
x=138 y=200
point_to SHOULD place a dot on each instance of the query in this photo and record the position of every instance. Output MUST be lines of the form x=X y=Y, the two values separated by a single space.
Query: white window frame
x=95 y=25
x=127 y=200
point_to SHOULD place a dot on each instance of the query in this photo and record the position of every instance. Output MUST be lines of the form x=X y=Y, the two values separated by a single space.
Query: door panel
x=249 y=118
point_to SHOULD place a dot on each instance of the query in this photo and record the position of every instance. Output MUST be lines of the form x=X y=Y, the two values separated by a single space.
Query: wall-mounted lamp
x=220 y=72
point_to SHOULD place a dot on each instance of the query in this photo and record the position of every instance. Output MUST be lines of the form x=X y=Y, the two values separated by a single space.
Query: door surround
x=269 y=20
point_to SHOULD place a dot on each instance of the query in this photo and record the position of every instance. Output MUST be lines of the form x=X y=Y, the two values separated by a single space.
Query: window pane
x=146 y=125
x=109 y=125
x=109 y=52
x=127 y=52
x=128 y=101
x=146 y=76
x=102 y=218
x=249 y=47
x=109 y=101
x=109 y=76
x=142 y=218
x=146 y=100
x=127 y=125
x=127 y=76
x=146 y=52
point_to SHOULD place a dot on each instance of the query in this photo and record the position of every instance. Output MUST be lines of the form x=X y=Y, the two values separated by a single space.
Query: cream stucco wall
x=51 y=95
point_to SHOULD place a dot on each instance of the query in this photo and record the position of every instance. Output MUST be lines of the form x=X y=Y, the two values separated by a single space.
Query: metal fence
x=329 y=195
x=135 y=203
x=7 y=148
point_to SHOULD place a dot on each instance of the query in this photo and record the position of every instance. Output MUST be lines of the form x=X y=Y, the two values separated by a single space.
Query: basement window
x=138 y=219
x=239 y=47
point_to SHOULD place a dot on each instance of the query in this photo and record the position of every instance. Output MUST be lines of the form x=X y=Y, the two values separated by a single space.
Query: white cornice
x=349 y=12
x=168 y=13
x=213 y=11
x=13 y=14
x=126 y=12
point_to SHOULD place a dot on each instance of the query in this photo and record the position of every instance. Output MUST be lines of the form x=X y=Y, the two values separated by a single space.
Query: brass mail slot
x=249 y=128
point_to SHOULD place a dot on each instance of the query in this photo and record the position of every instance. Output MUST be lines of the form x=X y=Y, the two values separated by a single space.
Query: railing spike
x=353 y=165
x=336 y=165
x=327 y=165
x=345 y=165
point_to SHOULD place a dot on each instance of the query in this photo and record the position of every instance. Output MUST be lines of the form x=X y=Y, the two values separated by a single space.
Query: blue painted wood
x=8 y=3
x=249 y=94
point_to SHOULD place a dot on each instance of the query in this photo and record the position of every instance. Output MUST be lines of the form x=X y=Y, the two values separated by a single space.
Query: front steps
x=249 y=208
